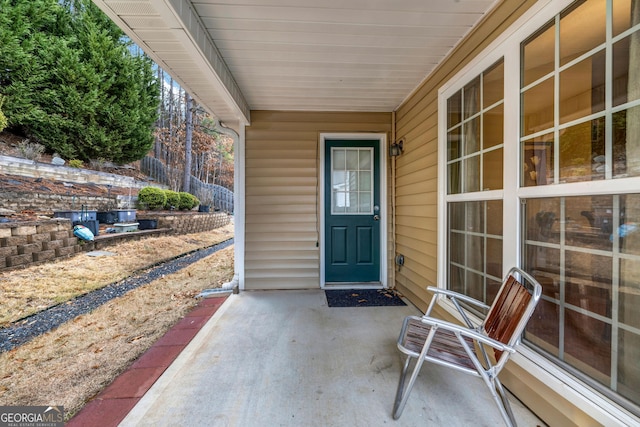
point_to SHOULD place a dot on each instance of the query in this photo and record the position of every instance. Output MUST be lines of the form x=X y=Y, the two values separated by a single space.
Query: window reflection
x=585 y=251
x=475 y=247
x=574 y=40
x=475 y=134
x=582 y=152
x=538 y=55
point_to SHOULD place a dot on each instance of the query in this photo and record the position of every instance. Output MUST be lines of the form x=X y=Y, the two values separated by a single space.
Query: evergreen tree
x=72 y=82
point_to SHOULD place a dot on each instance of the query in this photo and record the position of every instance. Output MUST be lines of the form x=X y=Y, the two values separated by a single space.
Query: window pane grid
x=352 y=181
x=591 y=73
x=467 y=126
x=583 y=282
x=469 y=244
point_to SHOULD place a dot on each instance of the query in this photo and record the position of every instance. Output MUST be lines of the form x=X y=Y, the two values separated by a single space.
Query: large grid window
x=580 y=123
x=475 y=126
x=572 y=219
x=475 y=129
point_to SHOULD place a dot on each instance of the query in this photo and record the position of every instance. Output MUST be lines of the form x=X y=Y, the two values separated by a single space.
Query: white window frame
x=507 y=46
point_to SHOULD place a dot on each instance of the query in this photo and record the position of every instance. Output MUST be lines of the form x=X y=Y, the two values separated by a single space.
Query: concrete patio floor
x=284 y=358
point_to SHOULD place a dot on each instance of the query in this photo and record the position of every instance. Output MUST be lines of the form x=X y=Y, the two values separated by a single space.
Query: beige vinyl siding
x=282 y=194
x=417 y=168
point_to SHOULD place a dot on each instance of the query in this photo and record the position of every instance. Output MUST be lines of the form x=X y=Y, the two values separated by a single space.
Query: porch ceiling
x=234 y=56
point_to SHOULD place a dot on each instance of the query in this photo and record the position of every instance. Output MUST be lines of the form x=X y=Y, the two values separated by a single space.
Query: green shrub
x=173 y=199
x=76 y=163
x=188 y=201
x=152 y=198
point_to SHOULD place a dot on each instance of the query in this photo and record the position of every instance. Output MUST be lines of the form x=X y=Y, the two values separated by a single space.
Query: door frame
x=382 y=185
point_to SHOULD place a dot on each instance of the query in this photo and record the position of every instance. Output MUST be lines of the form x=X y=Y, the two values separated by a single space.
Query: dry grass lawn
x=74 y=362
x=27 y=291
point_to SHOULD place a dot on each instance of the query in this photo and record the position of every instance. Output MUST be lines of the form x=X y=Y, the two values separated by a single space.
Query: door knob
x=376 y=217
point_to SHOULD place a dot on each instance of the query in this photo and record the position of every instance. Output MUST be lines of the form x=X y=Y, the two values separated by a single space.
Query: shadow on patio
x=283 y=358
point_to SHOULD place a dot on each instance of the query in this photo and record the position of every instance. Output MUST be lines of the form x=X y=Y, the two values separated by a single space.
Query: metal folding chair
x=468 y=348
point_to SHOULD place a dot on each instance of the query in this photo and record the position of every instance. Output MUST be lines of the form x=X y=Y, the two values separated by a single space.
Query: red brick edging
x=113 y=404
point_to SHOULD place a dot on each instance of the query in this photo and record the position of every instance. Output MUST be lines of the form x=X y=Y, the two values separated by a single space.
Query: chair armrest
x=461 y=297
x=464 y=331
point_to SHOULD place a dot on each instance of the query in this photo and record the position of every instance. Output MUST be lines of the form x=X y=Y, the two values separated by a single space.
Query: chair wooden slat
x=507 y=311
x=445 y=345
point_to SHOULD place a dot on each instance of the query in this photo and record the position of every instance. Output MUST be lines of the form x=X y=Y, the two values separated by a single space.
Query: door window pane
x=352 y=180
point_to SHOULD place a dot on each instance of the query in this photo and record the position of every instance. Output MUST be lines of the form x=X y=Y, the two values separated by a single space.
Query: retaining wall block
x=5 y=232
x=14 y=241
x=54 y=244
x=47 y=227
x=29 y=248
x=17 y=260
x=44 y=255
x=63 y=252
x=8 y=251
x=23 y=230
x=39 y=238
x=59 y=235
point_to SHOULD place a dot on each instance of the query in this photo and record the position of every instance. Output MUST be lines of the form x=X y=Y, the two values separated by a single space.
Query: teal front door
x=352 y=211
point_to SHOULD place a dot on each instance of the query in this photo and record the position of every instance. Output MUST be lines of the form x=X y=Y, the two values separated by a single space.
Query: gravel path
x=30 y=327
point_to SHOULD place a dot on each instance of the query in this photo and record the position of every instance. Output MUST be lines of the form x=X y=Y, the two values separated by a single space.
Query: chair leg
x=500 y=397
x=402 y=394
x=505 y=408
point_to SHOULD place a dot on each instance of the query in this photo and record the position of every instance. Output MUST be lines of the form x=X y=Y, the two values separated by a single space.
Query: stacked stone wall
x=26 y=243
x=33 y=242
x=48 y=203
x=187 y=222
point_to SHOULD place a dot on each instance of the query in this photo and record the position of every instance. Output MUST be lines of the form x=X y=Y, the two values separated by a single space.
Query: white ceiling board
x=333 y=55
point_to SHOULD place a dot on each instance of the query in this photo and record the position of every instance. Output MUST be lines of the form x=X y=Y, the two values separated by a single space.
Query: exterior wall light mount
x=396 y=148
